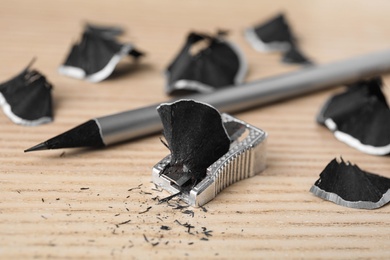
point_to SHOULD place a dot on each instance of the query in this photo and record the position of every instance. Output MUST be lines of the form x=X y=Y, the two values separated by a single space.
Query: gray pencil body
x=144 y=121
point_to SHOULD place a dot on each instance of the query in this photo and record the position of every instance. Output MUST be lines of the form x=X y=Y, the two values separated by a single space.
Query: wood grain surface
x=100 y=203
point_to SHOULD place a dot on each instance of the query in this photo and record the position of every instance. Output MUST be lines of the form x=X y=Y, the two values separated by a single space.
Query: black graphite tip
x=38 y=147
x=84 y=135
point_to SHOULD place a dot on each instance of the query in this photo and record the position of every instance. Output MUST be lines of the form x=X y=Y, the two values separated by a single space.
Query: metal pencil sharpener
x=246 y=157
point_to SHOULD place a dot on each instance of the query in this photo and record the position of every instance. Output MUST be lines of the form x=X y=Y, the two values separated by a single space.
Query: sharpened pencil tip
x=38 y=147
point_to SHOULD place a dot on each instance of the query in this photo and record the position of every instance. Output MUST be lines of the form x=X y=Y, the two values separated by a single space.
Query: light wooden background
x=44 y=212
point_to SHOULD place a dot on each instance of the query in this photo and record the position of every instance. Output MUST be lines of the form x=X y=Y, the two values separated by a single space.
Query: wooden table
x=71 y=203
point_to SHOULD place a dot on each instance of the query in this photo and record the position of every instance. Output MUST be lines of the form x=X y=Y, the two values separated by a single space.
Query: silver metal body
x=144 y=121
x=245 y=158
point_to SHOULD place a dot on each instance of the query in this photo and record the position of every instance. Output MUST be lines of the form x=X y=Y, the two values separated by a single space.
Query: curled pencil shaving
x=275 y=35
x=204 y=63
x=196 y=139
x=347 y=185
x=359 y=117
x=26 y=98
x=96 y=55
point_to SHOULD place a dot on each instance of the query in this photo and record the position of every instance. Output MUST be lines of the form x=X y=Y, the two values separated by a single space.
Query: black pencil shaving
x=347 y=185
x=26 y=98
x=359 y=117
x=96 y=55
x=205 y=63
x=196 y=138
x=276 y=35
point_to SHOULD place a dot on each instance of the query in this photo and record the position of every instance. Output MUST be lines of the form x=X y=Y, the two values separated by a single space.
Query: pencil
x=129 y=125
